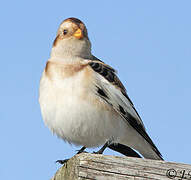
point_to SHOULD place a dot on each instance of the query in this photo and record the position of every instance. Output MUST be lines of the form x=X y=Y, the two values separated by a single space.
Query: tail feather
x=145 y=150
x=148 y=151
x=125 y=150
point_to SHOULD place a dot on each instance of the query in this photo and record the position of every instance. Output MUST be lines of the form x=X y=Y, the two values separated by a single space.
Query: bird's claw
x=62 y=161
x=97 y=152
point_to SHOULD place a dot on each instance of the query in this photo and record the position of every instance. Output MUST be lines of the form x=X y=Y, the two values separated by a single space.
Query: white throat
x=72 y=48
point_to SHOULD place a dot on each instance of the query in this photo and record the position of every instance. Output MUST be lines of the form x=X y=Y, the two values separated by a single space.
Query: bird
x=83 y=101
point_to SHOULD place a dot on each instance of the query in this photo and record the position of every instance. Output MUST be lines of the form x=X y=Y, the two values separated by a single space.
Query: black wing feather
x=109 y=74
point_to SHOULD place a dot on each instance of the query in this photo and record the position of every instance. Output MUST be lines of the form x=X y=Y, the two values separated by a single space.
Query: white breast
x=71 y=110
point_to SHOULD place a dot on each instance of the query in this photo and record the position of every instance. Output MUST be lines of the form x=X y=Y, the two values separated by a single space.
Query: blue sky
x=148 y=42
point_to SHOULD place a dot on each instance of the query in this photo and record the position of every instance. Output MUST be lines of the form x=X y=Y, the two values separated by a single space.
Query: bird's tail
x=125 y=150
x=148 y=151
x=142 y=143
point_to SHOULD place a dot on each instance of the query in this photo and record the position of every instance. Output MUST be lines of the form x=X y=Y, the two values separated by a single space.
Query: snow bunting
x=83 y=101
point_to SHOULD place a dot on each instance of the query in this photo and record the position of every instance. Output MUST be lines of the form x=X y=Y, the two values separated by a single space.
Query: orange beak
x=78 y=34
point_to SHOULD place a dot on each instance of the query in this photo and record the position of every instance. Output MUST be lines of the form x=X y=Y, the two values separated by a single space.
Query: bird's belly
x=78 y=119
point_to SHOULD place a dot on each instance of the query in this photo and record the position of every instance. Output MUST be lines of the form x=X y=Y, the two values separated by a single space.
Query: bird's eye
x=65 y=31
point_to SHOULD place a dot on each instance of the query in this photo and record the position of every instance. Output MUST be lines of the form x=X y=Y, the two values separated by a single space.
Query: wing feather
x=112 y=91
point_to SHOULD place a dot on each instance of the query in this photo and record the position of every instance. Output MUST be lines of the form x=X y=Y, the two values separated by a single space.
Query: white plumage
x=84 y=105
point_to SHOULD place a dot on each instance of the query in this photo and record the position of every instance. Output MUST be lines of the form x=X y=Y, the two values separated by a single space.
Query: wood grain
x=101 y=167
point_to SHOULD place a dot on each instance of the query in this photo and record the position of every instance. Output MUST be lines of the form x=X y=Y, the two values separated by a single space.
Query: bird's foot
x=81 y=150
x=103 y=148
x=98 y=152
x=78 y=152
x=62 y=161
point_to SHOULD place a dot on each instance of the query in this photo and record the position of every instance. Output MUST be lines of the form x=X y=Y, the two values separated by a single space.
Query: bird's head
x=71 y=40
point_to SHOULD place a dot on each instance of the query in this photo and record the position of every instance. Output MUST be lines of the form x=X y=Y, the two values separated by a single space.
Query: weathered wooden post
x=102 y=167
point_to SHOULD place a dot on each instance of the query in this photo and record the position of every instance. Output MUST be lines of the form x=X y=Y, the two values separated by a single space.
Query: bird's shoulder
x=109 y=74
x=120 y=93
